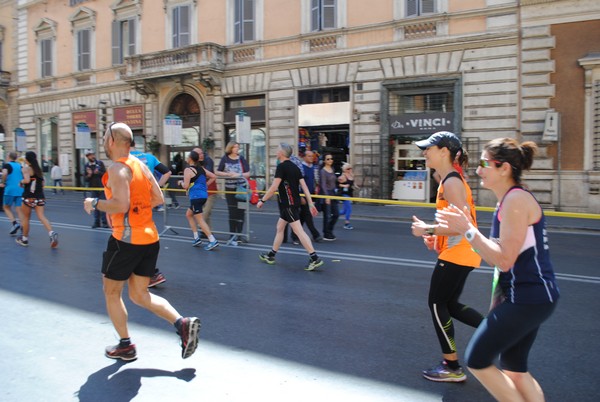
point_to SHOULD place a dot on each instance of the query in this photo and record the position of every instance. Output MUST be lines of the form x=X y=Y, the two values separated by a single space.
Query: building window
x=46 y=59
x=243 y=24
x=84 y=45
x=415 y=8
x=123 y=40
x=181 y=26
x=327 y=95
x=322 y=15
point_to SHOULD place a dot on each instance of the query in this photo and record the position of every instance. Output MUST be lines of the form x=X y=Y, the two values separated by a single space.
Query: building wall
x=506 y=55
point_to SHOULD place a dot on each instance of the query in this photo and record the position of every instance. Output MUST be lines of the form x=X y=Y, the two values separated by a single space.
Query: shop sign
x=133 y=116
x=421 y=123
x=88 y=117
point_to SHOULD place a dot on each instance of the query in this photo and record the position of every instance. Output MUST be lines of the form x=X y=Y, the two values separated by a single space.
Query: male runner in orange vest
x=130 y=257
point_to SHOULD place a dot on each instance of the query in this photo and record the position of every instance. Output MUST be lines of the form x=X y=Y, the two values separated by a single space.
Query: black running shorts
x=121 y=259
x=289 y=214
x=197 y=204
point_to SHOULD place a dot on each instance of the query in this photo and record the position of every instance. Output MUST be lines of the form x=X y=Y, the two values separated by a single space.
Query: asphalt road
x=356 y=330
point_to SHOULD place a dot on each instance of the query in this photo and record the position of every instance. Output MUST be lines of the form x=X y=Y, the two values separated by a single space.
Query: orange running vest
x=135 y=226
x=456 y=249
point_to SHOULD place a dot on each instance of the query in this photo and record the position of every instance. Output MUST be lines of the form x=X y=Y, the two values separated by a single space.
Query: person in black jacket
x=94 y=170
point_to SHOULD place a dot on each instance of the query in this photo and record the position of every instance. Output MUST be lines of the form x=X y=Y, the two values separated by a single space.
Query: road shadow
x=111 y=385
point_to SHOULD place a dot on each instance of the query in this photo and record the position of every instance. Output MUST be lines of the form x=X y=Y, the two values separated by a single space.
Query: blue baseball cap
x=441 y=139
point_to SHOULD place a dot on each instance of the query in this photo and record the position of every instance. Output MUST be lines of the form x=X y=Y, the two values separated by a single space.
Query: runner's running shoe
x=157 y=279
x=22 y=242
x=197 y=242
x=53 y=239
x=211 y=245
x=443 y=373
x=15 y=228
x=190 y=329
x=313 y=264
x=265 y=257
x=127 y=353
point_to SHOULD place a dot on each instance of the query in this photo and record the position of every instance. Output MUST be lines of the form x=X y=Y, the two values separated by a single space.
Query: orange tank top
x=456 y=249
x=135 y=226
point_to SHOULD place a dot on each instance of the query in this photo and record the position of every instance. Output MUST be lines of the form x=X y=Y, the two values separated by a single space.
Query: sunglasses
x=484 y=163
x=110 y=130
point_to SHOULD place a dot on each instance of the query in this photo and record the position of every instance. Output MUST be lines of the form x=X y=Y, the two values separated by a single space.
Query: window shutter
x=46 y=50
x=328 y=14
x=185 y=26
x=315 y=17
x=131 y=37
x=237 y=22
x=116 y=43
x=248 y=33
x=411 y=8
x=86 y=62
x=427 y=6
x=175 y=27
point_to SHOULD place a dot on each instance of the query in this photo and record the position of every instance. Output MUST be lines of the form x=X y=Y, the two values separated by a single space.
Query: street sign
x=551 y=127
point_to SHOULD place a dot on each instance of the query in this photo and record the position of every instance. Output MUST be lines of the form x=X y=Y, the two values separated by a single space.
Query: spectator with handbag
x=236 y=169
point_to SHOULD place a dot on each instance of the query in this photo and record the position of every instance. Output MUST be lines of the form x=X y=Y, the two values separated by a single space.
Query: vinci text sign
x=421 y=123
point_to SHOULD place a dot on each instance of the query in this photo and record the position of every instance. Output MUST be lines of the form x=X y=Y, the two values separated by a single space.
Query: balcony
x=193 y=59
x=4 y=84
x=4 y=79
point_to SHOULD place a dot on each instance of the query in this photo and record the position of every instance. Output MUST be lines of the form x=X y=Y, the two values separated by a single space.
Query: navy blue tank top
x=531 y=279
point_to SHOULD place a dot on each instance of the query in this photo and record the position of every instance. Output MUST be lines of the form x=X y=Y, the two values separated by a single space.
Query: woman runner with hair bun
x=524 y=292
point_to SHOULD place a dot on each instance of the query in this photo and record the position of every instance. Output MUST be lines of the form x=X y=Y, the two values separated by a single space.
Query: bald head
x=118 y=138
x=120 y=133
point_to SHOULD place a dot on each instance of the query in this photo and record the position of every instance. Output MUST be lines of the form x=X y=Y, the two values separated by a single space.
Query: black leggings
x=447 y=282
x=509 y=330
x=236 y=215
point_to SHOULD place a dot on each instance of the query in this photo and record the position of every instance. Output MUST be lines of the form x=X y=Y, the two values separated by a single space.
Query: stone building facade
x=335 y=76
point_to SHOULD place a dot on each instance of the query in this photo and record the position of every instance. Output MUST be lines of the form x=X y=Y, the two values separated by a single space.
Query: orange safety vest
x=136 y=225
x=456 y=249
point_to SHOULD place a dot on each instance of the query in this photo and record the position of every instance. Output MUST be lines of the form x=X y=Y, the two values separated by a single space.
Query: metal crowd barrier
x=171 y=220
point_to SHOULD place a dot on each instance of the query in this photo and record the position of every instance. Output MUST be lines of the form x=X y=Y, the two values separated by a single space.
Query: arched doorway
x=187 y=108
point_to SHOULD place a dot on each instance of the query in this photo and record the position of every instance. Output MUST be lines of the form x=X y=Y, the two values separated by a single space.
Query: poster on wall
x=64 y=164
x=242 y=128
x=21 y=139
x=83 y=136
x=172 y=127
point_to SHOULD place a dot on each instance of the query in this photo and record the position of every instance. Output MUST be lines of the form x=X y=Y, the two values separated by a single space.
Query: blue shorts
x=196 y=205
x=11 y=200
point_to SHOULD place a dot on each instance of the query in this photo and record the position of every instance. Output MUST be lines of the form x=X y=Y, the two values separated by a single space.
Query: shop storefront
x=324 y=123
x=415 y=111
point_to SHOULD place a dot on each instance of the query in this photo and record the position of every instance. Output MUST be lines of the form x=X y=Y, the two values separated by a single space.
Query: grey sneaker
x=190 y=329
x=443 y=373
x=54 y=239
x=313 y=264
x=265 y=257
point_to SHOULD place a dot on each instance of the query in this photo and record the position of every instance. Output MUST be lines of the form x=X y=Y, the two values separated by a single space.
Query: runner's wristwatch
x=470 y=234
x=94 y=204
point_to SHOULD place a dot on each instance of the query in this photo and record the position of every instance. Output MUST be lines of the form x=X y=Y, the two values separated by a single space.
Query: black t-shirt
x=290 y=176
x=8 y=168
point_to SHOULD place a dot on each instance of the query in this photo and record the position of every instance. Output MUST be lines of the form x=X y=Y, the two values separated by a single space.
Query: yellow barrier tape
x=579 y=215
